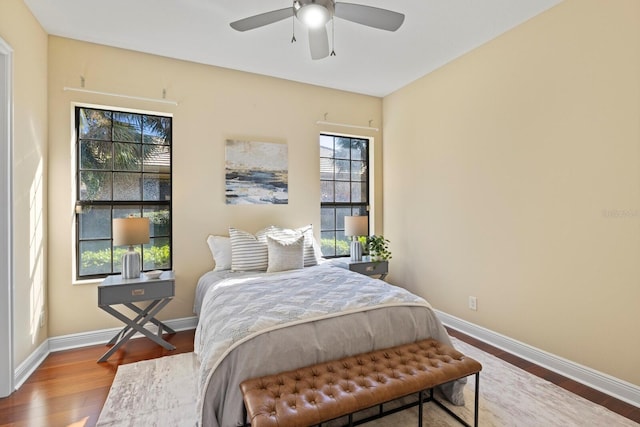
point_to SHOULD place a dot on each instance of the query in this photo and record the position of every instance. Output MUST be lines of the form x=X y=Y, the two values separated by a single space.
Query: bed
x=256 y=323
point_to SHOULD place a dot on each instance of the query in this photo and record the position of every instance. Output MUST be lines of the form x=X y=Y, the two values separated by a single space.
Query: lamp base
x=356 y=250
x=131 y=264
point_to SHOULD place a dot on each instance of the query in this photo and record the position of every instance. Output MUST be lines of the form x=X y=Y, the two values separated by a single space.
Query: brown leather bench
x=326 y=391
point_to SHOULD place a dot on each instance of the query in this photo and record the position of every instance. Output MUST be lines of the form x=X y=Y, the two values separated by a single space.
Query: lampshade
x=130 y=231
x=356 y=225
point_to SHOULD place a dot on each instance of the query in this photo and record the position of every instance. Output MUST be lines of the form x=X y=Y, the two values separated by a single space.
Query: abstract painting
x=256 y=173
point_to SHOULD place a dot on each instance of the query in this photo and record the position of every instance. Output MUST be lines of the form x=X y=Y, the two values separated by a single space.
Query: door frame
x=7 y=375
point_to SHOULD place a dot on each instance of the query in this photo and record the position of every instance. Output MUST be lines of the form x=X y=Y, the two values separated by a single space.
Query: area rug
x=161 y=392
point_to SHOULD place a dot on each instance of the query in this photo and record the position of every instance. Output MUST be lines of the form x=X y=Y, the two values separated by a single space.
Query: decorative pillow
x=310 y=255
x=248 y=252
x=285 y=254
x=220 y=247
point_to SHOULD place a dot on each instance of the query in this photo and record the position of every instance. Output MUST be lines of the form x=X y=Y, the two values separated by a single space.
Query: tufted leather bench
x=325 y=391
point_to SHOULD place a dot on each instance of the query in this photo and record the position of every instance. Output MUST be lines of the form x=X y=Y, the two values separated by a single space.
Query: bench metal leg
x=244 y=416
x=477 y=401
x=420 y=405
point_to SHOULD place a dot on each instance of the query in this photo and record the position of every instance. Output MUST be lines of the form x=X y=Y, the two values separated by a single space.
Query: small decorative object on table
x=153 y=274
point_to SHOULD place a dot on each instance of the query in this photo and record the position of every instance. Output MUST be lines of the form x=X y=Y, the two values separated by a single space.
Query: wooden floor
x=70 y=387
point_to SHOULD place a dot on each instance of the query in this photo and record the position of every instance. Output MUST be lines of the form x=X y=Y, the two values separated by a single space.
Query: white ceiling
x=368 y=61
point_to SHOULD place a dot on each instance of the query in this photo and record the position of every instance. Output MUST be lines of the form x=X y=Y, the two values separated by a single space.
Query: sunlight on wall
x=36 y=251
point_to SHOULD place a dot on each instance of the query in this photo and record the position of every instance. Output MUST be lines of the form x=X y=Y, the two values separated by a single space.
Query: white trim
x=31 y=363
x=605 y=383
x=74 y=174
x=83 y=339
x=7 y=378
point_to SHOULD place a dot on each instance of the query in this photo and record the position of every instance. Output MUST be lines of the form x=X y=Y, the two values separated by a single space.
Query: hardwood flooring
x=595 y=396
x=70 y=387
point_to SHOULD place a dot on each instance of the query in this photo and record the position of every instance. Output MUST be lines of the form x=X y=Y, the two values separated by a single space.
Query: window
x=123 y=169
x=344 y=183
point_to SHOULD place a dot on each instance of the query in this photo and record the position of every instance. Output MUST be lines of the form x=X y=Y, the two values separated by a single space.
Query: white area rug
x=161 y=392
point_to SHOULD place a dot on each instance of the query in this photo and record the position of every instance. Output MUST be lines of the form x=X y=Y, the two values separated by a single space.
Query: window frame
x=356 y=208
x=113 y=204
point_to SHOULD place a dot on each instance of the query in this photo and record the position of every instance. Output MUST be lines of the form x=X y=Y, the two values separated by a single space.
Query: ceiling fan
x=315 y=14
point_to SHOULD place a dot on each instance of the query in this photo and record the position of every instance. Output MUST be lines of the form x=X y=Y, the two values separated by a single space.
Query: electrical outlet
x=473 y=303
x=42 y=318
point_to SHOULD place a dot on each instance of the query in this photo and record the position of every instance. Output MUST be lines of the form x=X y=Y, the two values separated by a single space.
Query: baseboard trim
x=82 y=339
x=605 y=383
x=30 y=364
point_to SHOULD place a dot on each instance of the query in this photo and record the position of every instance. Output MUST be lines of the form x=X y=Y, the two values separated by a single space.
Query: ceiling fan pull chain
x=293 y=29
x=333 y=37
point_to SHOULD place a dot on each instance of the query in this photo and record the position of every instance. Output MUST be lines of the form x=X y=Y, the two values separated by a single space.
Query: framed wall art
x=256 y=173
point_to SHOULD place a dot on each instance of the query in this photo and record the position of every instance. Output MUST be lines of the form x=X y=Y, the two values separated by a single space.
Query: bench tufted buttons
x=366 y=379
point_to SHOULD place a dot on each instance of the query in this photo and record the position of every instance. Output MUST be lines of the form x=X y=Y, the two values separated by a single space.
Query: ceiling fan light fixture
x=314 y=14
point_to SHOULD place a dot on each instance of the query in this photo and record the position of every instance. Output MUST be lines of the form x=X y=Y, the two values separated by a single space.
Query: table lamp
x=356 y=226
x=130 y=231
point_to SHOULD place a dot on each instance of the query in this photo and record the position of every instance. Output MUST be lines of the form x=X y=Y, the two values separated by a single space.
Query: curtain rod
x=322 y=122
x=139 y=98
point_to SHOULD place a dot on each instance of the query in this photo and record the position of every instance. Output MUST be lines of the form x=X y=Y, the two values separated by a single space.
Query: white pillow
x=285 y=254
x=248 y=252
x=220 y=247
x=311 y=249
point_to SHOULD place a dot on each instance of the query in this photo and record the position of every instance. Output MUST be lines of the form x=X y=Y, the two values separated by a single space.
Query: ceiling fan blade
x=382 y=19
x=262 y=19
x=319 y=42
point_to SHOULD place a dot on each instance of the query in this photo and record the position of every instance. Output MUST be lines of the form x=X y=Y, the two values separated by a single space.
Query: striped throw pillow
x=248 y=252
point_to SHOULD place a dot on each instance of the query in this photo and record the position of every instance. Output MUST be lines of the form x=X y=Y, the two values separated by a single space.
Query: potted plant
x=378 y=248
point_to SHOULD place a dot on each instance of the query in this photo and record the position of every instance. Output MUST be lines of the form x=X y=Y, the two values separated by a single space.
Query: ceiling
x=367 y=61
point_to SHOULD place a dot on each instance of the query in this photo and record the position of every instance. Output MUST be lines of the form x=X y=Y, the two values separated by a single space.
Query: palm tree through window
x=123 y=169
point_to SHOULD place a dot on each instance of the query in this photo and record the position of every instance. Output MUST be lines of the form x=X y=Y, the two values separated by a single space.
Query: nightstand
x=370 y=268
x=114 y=290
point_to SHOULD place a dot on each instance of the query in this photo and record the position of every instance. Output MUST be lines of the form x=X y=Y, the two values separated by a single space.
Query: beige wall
x=214 y=104
x=28 y=40
x=513 y=175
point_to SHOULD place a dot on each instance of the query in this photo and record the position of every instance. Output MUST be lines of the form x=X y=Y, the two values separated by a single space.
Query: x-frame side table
x=117 y=291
